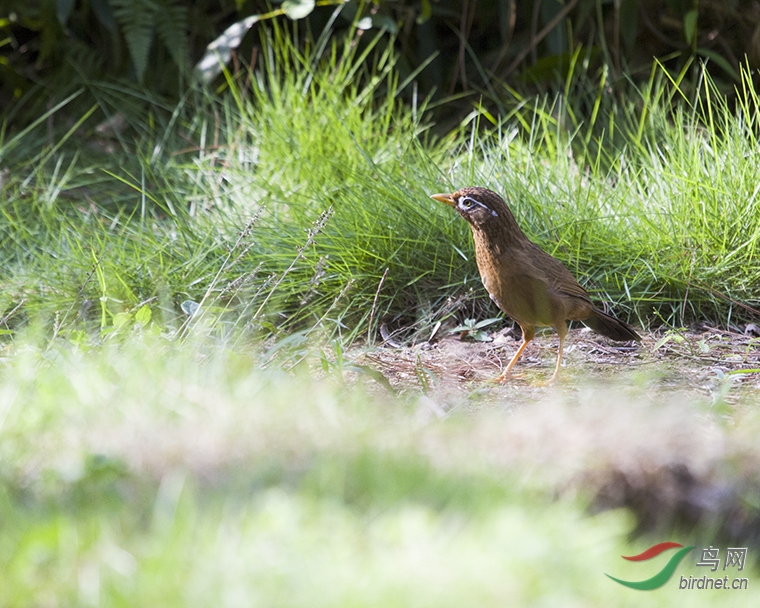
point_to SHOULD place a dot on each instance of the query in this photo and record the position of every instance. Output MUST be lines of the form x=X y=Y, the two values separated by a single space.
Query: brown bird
x=528 y=284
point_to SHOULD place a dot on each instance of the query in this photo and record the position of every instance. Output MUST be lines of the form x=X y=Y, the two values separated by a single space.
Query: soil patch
x=702 y=361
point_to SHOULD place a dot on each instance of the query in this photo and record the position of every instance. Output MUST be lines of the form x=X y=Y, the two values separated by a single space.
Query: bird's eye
x=466 y=202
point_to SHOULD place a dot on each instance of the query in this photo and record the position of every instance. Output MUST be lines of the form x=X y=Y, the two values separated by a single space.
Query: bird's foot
x=505 y=376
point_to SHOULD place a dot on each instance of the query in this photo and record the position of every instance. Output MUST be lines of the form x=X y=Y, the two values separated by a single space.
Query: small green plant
x=472 y=328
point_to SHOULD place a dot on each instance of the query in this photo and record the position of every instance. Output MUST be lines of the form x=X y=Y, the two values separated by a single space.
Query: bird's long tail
x=609 y=326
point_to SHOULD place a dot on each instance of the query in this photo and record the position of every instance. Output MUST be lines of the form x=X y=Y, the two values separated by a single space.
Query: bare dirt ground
x=701 y=362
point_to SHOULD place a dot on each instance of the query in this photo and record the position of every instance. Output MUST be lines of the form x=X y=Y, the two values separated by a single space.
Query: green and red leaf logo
x=659 y=579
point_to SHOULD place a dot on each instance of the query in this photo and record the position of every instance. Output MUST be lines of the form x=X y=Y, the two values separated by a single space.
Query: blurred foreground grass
x=146 y=474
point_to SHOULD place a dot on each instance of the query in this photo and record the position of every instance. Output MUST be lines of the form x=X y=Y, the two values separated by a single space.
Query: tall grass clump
x=318 y=148
x=296 y=198
x=340 y=169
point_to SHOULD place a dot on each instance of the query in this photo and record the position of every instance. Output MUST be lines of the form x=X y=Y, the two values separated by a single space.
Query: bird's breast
x=513 y=286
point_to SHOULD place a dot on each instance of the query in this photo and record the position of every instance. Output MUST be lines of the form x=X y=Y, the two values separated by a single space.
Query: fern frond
x=172 y=27
x=137 y=18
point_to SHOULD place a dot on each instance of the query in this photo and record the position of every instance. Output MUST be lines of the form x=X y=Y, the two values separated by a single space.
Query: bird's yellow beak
x=443 y=198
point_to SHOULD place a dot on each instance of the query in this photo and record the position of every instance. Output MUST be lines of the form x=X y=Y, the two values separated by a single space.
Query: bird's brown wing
x=577 y=302
x=573 y=289
x=556 y=275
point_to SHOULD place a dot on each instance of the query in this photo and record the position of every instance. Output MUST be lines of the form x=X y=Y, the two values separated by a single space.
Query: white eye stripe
x=463 y=206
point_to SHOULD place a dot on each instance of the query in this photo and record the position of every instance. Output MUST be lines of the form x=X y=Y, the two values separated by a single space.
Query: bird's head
x=481 y=207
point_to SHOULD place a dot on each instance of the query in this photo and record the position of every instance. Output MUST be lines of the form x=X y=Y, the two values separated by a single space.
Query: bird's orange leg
x=562 y=332
x=528 y=333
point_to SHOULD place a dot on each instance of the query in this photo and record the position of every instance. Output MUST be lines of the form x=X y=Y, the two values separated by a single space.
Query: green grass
x=281 y=201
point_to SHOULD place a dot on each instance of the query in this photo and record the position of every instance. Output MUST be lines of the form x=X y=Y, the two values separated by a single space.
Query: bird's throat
x=494 y=238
